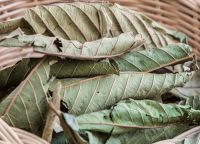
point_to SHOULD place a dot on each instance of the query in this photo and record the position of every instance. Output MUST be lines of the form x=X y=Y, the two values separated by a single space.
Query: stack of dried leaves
x=110 y=74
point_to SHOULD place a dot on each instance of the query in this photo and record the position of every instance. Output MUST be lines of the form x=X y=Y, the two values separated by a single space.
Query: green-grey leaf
x=139 y=136
x=190 y=93
x=141 y=61
x=191 y=136
x=148 y=136
x=91 y=21
x=84 y=68
x=9 y=26
x=138 y=61
x=152 y=59
x=26 y=106
x=97 y=93
x=131 y=114
x=179 y=36
x=102 y=48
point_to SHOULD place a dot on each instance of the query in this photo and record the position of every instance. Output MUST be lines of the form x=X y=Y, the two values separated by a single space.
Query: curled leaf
x=102 y=48
x=140 y=136
x=91 y=21
x=148 y=136
x=152 y=59
x=130 y=115
x=88 y=95
x=190 y=93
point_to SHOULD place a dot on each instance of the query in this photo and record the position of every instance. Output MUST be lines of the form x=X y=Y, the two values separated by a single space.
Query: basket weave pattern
x=9 y=135
x=182 y=15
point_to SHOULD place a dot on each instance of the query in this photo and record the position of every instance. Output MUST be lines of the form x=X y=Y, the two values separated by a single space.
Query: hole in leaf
x=169 y=98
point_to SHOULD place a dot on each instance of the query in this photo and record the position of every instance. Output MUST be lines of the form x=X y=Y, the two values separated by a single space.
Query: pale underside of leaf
x=88 y=22
x=178 y=36
x=26 y=106
x=103 y=48
x=97 y=93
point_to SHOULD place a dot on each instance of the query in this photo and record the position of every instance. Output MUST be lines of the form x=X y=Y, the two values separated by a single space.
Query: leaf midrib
x=120 y=125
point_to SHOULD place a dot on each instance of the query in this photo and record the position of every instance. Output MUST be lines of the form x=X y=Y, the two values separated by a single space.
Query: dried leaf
x=140 y=136
x=91 y=21
x=83 y=68
x=152 y=59
x=26 y=106
x=148 y=136
x=102 y=48
x=190 y=93
x=9 y=26
x=84 y=36
x=97 y=93
x=142 y=61
x=139 y=61
x=191 y=136
x=130 y=115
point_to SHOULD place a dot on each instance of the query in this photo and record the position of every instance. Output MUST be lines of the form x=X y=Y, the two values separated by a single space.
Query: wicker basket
x=9 y=135
x=182 y=15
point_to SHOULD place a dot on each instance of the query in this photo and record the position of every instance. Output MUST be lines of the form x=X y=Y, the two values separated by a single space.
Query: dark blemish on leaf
x=148 y=115
x=49 y=94
x=110 y=116
x=58 y=43
x=106 y=117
